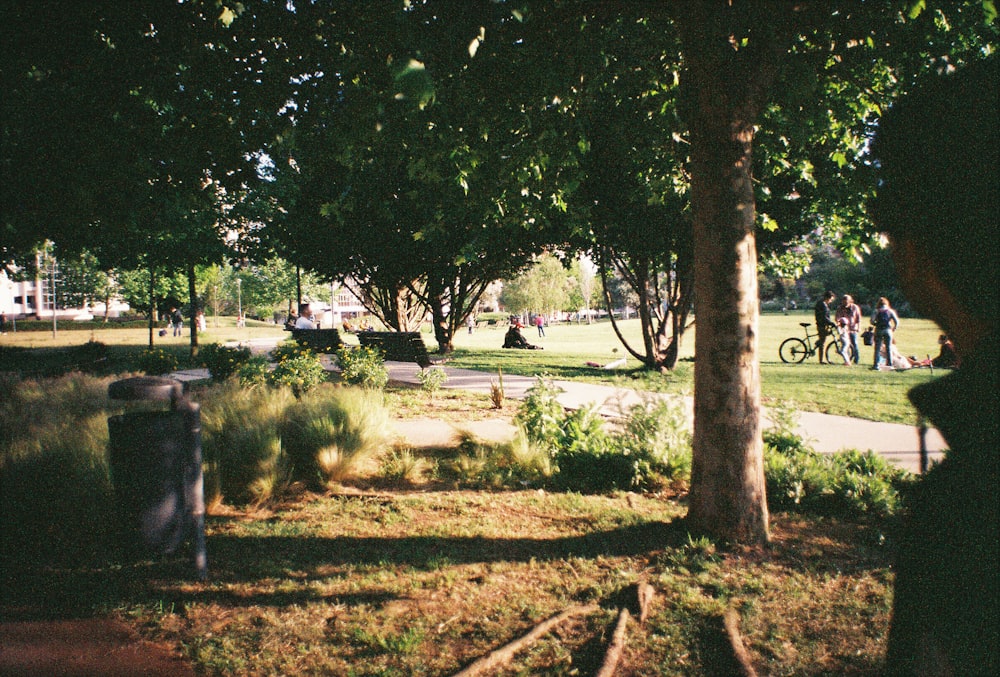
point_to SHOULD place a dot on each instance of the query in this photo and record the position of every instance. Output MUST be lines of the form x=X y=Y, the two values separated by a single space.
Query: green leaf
x=989 y=11
x=916 y=9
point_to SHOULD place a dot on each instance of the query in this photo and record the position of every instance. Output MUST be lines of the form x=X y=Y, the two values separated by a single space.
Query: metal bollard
x=154 y=453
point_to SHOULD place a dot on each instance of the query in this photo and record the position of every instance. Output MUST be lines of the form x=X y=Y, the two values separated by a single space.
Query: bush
x=156 y=361
x=848 y=483
x=432 y=379
x=223 y=361
x=301 y=374
x=516 y=464
x=363 y=366
x=332 y=431
x=242 y=445
x=55 y=491
x=254 y=372
x=656 y=432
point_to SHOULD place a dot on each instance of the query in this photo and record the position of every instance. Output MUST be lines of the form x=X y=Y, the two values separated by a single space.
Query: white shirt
x=304 y=323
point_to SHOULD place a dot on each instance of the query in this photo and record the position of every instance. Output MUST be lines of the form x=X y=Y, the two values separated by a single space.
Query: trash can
x=154 y=454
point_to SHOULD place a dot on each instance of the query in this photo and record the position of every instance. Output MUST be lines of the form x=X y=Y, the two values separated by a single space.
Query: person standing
x=849 y=314
x=824 y=325
x=938 y=154
x=540 y=324
x=177 y=321
x=886 y=322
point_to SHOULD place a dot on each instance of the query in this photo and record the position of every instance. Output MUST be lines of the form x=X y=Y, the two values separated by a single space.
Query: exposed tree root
x=614 y=654
x=731 y=623
x=503 y=655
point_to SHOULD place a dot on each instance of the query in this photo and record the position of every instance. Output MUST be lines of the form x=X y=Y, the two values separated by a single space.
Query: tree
x=543 y=288
x=734 y=54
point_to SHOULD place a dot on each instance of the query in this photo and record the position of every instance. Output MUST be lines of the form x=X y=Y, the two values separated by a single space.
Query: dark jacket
x=946 y=610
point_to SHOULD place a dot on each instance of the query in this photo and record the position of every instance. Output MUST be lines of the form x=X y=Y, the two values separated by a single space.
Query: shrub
x=400 y=467
x=432 y=379
x=242 y=445
x=287 y=350
x=656 y=432
x=585 y=456
x=540 y=415
x=254 y=372
x=156 y=361
x=480 y=465
x=363 y=366
x=56 y=501
x=301 y=374
x=223 y=361
x=55 y=492
x=848 y=483
x=330 y=432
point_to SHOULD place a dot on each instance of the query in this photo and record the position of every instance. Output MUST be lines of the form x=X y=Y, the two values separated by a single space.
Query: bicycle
x=794 y=350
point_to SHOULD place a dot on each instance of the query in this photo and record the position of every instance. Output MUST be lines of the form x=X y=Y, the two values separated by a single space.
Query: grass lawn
x=424 y=583
x=833 y=389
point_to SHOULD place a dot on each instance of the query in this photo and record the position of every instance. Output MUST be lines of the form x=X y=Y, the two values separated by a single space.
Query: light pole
x=239 y=302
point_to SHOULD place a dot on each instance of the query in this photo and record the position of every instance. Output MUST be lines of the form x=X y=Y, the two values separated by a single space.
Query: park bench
x=318 y=340
x=397 y=346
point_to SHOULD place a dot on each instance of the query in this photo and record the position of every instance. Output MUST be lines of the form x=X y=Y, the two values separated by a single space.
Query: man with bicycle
x=824 y=325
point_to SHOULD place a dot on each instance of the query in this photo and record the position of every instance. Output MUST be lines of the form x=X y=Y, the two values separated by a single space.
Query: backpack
x=883 y=318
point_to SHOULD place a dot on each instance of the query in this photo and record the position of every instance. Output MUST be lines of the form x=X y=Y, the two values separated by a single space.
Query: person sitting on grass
x=515 y=339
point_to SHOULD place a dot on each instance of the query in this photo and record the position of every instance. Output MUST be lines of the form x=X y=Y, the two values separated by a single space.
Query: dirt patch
x=84 y=647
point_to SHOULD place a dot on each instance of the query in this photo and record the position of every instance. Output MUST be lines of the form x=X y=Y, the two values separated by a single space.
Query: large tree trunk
x=727 y=497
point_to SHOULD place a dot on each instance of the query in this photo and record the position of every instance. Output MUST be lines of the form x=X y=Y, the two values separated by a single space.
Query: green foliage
x=242 y=446
x=289 y=349
x=223 y=361
x=301 y=373
x=55 y=491
x=698 y=554
x=156 y=361
x=653 y=443
x=400 y=467
x=513 y=465
x=657 y=431
x=432 y=379
x=363 y=366
x=254 y=372
x=330 y=432
x=849 y=483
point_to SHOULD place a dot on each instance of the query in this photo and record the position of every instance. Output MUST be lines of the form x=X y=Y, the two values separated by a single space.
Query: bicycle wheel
x=793 y=350
x=833 y=352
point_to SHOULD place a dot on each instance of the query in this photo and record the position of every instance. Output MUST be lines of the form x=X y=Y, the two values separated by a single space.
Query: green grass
x=833 y=389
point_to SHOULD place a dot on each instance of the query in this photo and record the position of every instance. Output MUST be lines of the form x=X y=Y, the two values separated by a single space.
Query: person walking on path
x=886 y=322
x=849 y=316
x=824 y=325
x=540 y=324
x=938 y=151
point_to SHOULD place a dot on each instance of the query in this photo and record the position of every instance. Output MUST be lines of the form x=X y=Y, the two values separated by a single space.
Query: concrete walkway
x=825 y=433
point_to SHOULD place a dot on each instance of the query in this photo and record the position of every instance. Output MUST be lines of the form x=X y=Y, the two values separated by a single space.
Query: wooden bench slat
x=318 y=340
x=395 y=346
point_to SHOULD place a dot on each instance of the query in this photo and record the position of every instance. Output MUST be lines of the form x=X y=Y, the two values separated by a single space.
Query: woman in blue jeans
x=886 y=322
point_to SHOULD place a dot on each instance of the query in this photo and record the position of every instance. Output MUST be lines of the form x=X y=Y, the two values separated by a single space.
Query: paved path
x=826 y=433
